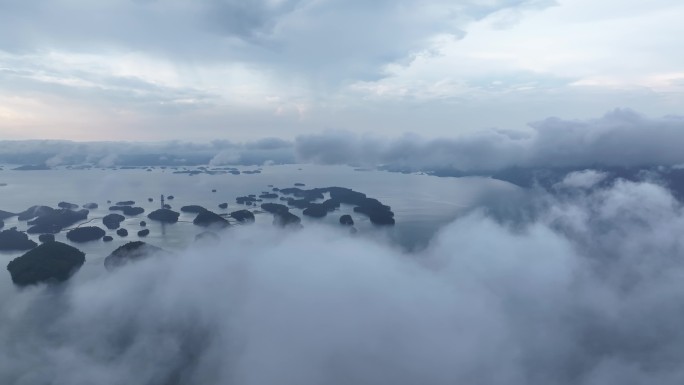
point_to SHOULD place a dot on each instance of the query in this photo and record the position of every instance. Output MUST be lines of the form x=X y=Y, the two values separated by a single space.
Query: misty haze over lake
x=307 y=192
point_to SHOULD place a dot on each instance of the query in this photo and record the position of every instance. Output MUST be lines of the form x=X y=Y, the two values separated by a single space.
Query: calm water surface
x=421 y=203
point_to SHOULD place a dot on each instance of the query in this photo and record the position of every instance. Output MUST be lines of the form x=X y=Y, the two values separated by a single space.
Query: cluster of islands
x=174 y=169
x=53 y=262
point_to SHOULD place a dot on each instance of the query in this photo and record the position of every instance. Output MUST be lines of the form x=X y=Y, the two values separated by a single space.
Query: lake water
x=421 y=203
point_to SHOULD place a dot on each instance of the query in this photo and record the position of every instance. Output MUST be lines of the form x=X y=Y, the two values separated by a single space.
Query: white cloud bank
x=583 y=179
x=586 y=294
x=619 y=138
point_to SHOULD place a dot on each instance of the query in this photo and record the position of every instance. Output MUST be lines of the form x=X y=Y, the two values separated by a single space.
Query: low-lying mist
x=580 y=287
x=619 y=138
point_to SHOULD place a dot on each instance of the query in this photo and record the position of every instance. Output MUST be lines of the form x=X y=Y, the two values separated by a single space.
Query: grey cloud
x=268 y=144
x=252 y=20
x=619 y=138
x=585 y=294
x=324 y=42
x=583 y=179
x=490 y=150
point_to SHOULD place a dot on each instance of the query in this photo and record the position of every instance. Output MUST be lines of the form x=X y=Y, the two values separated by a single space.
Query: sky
x=152 y=70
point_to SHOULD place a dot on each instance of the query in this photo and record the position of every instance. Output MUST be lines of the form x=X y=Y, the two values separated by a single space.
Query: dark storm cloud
x=619 y=138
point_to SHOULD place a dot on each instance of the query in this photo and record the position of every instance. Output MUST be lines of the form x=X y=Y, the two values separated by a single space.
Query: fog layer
x=586 y=292
x=619 y=138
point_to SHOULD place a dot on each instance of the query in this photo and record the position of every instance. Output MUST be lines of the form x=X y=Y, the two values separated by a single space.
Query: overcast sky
x=242 y=70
